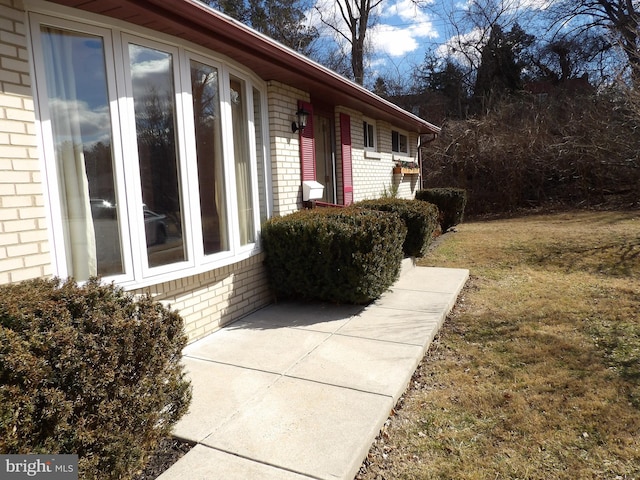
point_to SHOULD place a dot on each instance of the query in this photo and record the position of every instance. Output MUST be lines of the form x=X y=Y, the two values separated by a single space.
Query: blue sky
x=404 y=31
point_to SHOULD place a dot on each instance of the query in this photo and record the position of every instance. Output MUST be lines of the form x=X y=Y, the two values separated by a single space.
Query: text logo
x=39 y=467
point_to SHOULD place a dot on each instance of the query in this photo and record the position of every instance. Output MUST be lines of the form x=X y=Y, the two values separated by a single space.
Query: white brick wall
x=285 y=147
x=24 y=246
x=373 y=173
x=213 y=299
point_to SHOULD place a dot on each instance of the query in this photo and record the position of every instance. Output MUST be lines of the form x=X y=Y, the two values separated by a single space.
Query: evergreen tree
x=501 y=63
x=282 y=20
x=447 y=77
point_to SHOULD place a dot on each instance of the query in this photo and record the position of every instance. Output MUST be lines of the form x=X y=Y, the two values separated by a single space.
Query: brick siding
x=24 y=244
x=215 y=298
x=285 y=147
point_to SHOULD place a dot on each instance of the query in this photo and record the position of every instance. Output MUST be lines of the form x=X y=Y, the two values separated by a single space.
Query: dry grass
x=536 y=374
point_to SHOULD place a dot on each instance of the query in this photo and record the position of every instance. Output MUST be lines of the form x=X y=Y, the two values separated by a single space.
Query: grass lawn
x=536 y=373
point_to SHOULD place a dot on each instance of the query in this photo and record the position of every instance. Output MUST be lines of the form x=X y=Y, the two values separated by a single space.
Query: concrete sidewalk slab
x=416 y=301
x=316 y=316
x=306 y=427
x=361 y=364
x=204 y=463
x=300 y=390
x=271 y=350
x=393 y=325
x=431 y=279
x=220 y=390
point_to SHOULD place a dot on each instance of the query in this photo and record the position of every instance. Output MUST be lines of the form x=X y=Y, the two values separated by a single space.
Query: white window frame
x=365 y=123
x=406 y=136
x=116 y=38
x=134 y=200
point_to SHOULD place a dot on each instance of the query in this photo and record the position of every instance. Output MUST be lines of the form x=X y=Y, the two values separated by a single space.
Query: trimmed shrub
x=450 y=203
x=344 y=255
x=88 y=370
x=420 y=218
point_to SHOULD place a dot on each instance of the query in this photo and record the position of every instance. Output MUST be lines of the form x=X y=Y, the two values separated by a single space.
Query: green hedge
x=88 y=370
x=450 y=202
x=420 y=218
x=344 y=255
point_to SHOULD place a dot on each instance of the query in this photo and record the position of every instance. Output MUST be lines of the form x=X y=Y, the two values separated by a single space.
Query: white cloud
x=70 y=117
x=536 y=4
x=393 y=41
x=406 y=10
x=401 y=29
x=510 y=6
x=464 y=48
x=399 y=32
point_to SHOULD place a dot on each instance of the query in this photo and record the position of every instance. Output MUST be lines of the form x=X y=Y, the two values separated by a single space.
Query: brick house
x=146 y=140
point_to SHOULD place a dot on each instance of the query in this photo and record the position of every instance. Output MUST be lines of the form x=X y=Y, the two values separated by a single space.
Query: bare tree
x=560 y=60
x=621 y=18
x=470 y=28
x=358 y=16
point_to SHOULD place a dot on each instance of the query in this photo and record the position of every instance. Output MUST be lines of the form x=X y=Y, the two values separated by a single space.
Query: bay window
x=155 y=155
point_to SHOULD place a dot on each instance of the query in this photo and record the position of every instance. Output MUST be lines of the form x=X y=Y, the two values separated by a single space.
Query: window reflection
x=208 y=129
x=260 y=154
x=154 y=104
x=242 y=161
x=81 y=125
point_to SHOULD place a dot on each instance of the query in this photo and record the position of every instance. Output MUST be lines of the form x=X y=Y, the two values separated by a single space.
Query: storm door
x=325 y=156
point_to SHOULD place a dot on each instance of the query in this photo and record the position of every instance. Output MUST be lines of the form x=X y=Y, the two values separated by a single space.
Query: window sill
x=190 y=271
x=372 y=155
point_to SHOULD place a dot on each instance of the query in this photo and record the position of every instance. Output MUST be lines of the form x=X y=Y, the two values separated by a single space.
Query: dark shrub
x=450 y=202
x=420 y=218
x=345 y=255
x=523 y=153
x=88 y=370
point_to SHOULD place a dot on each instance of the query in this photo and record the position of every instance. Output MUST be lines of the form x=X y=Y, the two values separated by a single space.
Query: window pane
x=403 y=143
x=262 y=170
x=154 y=104
x=365 y=128
x=368 y=135
x=81 y=123
x=242 y=161
x=206 y=109
x=395 y=141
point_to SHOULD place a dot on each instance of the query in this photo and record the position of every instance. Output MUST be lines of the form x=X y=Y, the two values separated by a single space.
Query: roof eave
x=271 y=60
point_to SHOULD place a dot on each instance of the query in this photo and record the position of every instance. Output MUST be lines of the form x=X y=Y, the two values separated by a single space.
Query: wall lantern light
x=302 y=116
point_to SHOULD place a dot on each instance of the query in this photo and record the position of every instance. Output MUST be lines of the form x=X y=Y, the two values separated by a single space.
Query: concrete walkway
x=301 y=390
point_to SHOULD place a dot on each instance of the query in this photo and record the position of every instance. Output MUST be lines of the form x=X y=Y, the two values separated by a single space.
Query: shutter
x=347 y=175
x=307 y=145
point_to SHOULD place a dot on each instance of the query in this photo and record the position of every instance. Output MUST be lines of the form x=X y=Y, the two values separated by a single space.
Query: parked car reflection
x=155 y=224
x=155 y=227
x=102 y=209
x=107 y=236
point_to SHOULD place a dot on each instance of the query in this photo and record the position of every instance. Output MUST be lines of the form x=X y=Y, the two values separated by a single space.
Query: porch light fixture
x=302 y=115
